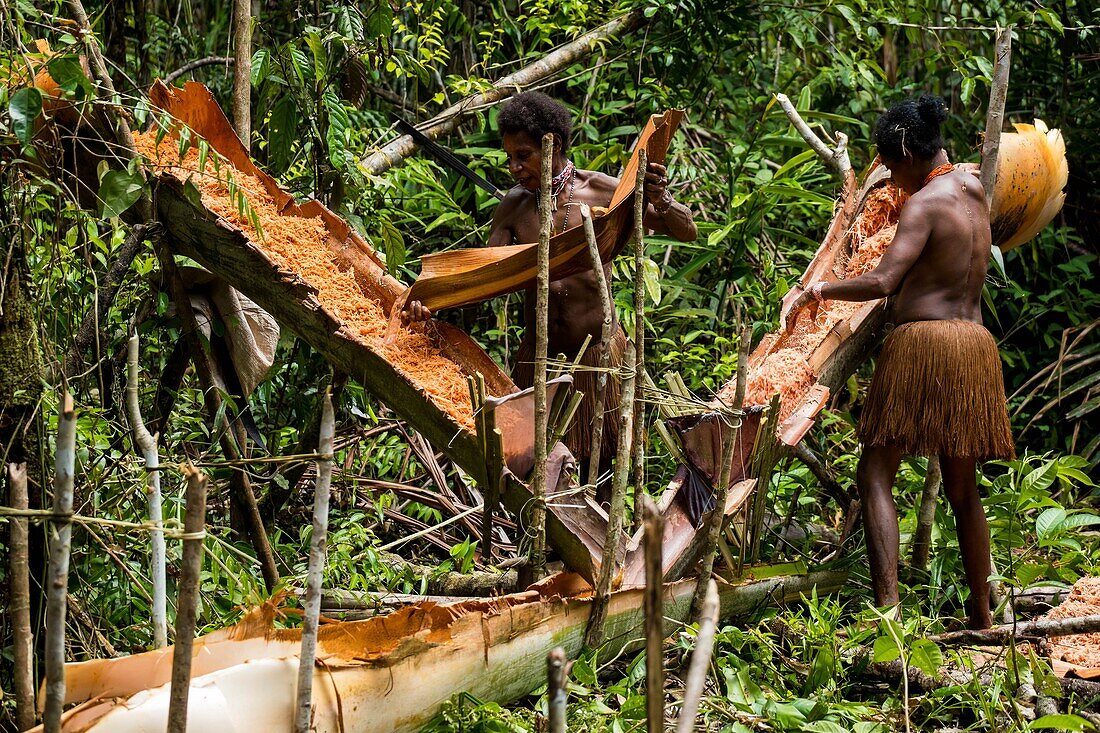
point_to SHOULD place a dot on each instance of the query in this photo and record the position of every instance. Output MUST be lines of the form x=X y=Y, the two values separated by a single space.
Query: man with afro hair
x=574 y=306
x=937 y=388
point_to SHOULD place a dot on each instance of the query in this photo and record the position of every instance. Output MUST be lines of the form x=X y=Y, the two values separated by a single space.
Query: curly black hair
x=535 y=114
x=911 y=129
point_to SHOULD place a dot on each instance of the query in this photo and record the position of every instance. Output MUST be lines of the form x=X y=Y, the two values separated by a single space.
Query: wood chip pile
x=299 y=244
x=786 y=370
x=1081 y=650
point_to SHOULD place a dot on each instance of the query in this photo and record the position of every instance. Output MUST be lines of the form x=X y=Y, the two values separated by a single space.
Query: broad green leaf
x=118 y=191
x=70 y=76
x=281 y=129
x=651 y=278
x=1049 y=521
x=1061 y=722
x=1041 y=478
x=926 y=656
x=24 y=107
x=886 y=650
x=1080 y=519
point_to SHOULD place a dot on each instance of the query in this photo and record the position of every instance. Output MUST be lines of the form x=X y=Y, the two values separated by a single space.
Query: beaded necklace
x=568 y=175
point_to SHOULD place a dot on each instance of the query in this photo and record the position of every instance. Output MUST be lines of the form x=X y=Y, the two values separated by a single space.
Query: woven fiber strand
x=938 y=390
x=578 y=438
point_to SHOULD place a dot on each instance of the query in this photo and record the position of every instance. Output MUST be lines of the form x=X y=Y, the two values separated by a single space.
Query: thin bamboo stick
x=542 y=297
x=654 y=536
x=606 y=333
x=60 y=538
x=639 y=330
x=19 y=601
x=593 y=635
x=318 y=551
x=147 y=444
x=700 y=660
x=556 y=694
x=194 y=519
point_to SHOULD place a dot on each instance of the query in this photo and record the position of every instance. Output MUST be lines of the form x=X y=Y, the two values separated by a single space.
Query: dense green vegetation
x=326 y=80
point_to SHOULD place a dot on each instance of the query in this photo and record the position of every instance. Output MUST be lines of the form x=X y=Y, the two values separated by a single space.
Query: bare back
x=574 y=306
x=945 y=282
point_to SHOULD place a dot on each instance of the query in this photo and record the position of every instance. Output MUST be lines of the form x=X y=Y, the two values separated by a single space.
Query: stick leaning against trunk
x=639 y=328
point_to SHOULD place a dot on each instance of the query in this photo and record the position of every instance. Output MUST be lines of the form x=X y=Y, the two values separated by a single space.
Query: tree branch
x=836 y=159
x=227 y=61
x=553 y=62
x=1041 y=628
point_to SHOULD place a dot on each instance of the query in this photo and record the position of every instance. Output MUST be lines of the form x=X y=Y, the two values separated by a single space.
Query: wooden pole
x=57 y=583
x=593 y=635
x=317 y=554
x=994 y=120
x=147 y=444
x=242 y=71
x=639 y=331
x=922 y=537
x=606 y=333
x=654 y=525
x=19 y=600
x=729 y=441
x=542 y=298
x=556 y=694
x=194 y=521
x=700 y=660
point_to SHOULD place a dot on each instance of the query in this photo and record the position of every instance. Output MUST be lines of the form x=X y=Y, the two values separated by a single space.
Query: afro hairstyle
x=535 y=114
x=911 y=129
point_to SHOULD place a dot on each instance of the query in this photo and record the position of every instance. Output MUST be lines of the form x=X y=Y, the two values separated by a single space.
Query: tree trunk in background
x=21 y=379
x=242 y=71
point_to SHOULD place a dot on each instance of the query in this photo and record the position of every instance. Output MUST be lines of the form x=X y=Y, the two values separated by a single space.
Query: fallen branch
x=550 y=64
x=837 y=158
x=1039 y=629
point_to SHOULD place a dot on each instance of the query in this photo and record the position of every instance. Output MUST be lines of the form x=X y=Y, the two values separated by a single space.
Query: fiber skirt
x=938 y=390
x=578 y=438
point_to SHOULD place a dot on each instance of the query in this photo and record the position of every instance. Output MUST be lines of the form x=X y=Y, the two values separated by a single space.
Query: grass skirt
x=578 y=439
x=938 y=390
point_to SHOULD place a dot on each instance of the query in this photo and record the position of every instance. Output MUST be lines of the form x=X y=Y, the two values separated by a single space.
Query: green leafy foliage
x=24 y=107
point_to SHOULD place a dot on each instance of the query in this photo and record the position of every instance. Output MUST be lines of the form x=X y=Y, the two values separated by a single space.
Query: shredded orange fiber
x=299 y=244
x=786 y=371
